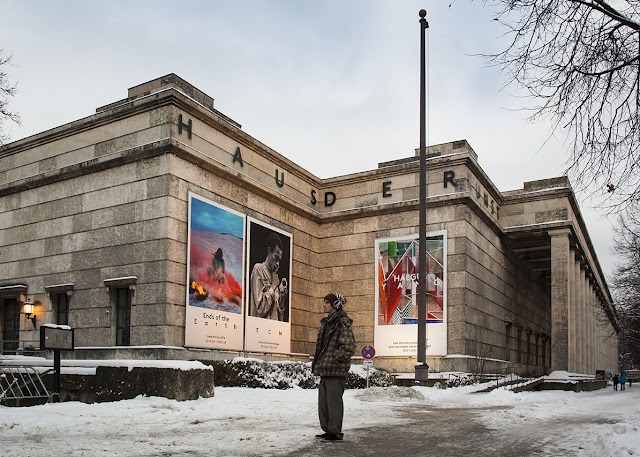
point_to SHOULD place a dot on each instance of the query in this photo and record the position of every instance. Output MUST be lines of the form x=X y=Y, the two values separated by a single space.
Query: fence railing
x=19 y=383
x=21 y=347
x=509 y=378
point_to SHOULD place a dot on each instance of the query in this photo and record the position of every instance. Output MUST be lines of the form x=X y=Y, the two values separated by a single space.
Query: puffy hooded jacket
x=335 y=345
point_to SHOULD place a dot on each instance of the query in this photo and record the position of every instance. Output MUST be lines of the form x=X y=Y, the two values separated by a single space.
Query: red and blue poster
x=215 y=259
x=396 y=317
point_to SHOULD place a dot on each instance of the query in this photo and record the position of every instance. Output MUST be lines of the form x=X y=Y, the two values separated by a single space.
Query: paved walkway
x=444 y=433
x=427 y=432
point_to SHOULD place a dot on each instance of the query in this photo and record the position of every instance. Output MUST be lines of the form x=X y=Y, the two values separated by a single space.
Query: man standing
x=268 y=292
x=334 y=347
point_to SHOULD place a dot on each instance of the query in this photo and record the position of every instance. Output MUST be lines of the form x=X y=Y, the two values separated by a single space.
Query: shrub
x=241 y=372
x=460 y=380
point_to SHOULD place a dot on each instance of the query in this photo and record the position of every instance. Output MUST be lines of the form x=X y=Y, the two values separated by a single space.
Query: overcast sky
x=332 y=85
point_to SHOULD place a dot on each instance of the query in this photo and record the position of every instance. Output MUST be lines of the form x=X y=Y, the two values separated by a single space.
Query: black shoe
x=332 y=437
x=322 y=436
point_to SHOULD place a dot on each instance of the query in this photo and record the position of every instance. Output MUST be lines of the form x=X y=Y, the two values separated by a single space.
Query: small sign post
x=56 y=338
x=368 y=353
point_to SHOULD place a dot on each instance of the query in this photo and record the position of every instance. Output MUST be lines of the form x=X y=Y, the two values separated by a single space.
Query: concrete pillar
x=589 y=328
x=599 y=341
x=602 y=342
x=594 y=326
x=596 y=338
x=560 y=298
x=587 y=346
x=582 y=336
x=572 y=324
x=590 y=317
x=587 y=313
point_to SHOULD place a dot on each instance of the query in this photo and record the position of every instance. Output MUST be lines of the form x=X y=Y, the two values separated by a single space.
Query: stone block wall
x=121 y=383
x=500 y=288
x=131 y=220
x=83 y=230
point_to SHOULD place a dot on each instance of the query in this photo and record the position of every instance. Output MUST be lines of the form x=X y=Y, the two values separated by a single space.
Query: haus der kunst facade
x=157 y=222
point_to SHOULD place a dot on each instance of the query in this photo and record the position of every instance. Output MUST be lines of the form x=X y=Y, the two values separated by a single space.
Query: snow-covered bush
x=242 y=372
x=460 y=380
x=357 y=378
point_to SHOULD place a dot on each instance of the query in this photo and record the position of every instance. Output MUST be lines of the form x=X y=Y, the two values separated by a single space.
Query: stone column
x=597 y=338
x=572 y=323
x=582 y=336
x=560 y=298
x=590 y=317
x=601 y=340
x=587 y=317
x=588 y=337
x=587 y=326
x=594 y=327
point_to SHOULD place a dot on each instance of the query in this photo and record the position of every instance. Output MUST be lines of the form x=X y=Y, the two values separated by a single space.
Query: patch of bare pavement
x=430 y=431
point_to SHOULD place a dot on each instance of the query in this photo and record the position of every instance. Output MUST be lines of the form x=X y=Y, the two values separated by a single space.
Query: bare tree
x=7 y=91
x=626 y=285
x=579 y=62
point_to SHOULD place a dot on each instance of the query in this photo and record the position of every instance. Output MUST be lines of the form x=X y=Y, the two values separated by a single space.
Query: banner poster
x=268 y=326
x=215 y=266
x=396 y=319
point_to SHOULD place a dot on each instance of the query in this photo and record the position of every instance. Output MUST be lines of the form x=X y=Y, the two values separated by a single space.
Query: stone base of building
x=122 y=383
x=170 y=353
x=460 y=364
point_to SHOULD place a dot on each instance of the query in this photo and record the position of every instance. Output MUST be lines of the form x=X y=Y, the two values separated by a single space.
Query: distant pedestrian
x=615 y=380
x=334 y=347
x=623 y=381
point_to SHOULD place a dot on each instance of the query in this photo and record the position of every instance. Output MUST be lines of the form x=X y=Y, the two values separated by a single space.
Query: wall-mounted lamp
x=28 y=308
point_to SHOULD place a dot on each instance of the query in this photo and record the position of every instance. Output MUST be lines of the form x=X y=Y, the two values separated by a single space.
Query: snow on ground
x=599 y=423
x=243 y=421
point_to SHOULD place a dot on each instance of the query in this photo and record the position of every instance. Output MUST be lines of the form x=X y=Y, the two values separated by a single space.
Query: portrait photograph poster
x=396 y=310
x=215 y=267
x=268 y=298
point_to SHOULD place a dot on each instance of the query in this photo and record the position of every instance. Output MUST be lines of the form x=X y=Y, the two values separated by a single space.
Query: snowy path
x=390 y=421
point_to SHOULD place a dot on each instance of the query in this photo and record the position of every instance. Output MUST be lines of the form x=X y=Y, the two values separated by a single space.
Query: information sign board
x=52 y=338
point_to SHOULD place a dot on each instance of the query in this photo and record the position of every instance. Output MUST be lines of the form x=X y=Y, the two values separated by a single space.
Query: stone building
x=94 y=230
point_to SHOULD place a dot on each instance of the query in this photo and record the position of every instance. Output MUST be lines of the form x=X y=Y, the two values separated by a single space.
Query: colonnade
x=583 y=338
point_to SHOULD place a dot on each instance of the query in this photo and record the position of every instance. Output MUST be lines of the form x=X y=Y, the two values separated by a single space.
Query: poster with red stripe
x=396 y=318
x=215 y=259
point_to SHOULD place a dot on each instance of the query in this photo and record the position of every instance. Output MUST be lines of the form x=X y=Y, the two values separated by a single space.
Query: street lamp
x=422 y=369
x=28 y=309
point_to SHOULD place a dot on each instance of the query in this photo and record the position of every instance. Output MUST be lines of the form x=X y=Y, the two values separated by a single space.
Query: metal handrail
x=21 y=347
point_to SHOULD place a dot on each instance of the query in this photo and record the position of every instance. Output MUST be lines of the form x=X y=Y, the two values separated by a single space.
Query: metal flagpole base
x=422 y=373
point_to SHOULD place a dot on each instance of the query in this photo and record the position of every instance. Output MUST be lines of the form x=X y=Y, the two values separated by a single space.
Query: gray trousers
x=330 y=407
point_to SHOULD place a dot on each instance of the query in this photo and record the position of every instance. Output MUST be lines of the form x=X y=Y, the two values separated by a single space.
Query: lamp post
x=422 y=369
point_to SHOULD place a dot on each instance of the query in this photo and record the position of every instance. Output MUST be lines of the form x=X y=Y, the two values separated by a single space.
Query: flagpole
x=422 y=369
